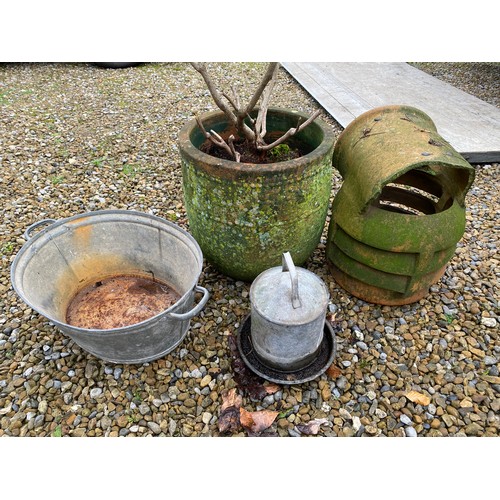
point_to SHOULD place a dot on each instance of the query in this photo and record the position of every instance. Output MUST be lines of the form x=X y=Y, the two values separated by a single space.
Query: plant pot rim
x=210 y=161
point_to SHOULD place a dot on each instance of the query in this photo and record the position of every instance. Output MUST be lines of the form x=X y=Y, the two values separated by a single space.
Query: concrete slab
x=346 y=90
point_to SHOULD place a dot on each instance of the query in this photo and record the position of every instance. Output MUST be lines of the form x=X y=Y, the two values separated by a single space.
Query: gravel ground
x=480 y=79
x=75 y=138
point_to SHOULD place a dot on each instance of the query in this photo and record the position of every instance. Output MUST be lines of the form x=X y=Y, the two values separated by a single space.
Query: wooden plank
x=346 y=90
x=327 y=90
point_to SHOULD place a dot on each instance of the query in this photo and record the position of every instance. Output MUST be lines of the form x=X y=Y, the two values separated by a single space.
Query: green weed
x=363 y=363
x=7 y=248
x=130 y=170
x=57 y=432
x=285 y=413
x=98 y=162
x=137 y=398
x=57 y=179
x=133 y=419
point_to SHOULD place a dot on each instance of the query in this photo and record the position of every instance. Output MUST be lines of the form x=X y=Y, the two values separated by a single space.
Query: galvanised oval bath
x=57 y=262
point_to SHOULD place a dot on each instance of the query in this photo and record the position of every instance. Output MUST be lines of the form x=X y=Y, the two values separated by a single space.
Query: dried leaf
x=335 y=322
x=230 y=398
x=229 y=420
x=229 y=416
x=271 y=388
x=334 y=371
x=312 y=427
x=418 y=397
x=243 y=376
x=257 y=421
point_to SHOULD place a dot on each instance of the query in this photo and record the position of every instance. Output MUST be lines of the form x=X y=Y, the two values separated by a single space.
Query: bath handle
x=288 y=265
x=193 y=312
x=43 y=222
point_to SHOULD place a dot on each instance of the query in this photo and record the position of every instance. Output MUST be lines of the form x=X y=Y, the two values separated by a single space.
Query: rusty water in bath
x=119 y=301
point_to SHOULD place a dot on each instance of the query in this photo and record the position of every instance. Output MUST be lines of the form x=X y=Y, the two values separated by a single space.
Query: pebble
x=489 y=322
x=341 y=382
x=445 y=346
x=410 y=432
x=405 y=419
x=155 y=428
x=490 y=360
x=95 y=393
x=473 y=429
x=356 y=423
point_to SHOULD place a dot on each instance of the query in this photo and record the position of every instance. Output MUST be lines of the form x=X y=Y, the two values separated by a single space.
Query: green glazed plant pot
x=400 y=211
x=245 y=216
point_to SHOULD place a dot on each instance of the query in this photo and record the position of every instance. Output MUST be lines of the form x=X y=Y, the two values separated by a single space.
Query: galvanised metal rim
x=27 y=246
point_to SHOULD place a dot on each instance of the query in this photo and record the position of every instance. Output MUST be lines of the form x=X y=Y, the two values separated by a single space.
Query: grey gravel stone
x=268 y=400
x=493 y=371
x=410 y=432
x=154 y=427
x=405 y=419
x=489 y=322
x=490 y=360
x=341 y=382
x=95 y=393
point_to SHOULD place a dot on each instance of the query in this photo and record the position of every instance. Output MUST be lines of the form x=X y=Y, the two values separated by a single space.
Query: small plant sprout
x=130 y=170
x=137 y=398
x=57 y=179
x=7 y=248
x=57 y=432
x=363 y=363
x=98 y=162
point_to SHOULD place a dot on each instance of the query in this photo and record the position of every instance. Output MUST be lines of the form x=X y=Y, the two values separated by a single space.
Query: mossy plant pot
x=244 y=215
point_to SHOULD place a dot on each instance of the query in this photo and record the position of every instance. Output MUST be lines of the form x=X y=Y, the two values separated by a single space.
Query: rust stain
x=82 y=233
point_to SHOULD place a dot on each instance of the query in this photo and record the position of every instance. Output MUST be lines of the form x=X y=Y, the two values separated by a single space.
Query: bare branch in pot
x=252 y=130
x=202 y=70
x=291 y=132
x=216 y=139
